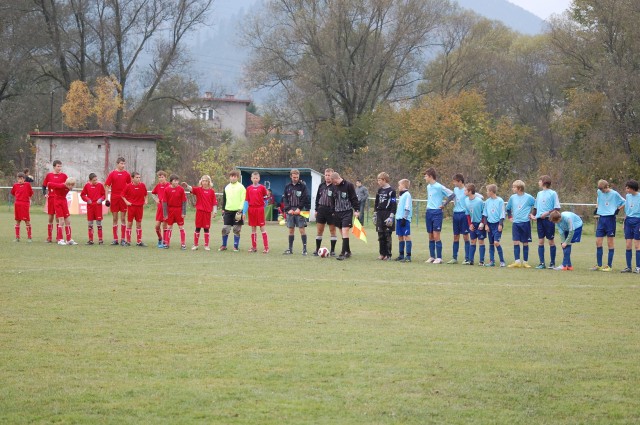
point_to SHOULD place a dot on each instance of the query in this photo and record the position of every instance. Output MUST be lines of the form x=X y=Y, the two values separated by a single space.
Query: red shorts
x=61 y=208
x=21 y=211
x=117 y=204
x=94 y=211
x=256 y=216
x=175 y=216
x=203 y=219
x=51 y=209
x=134 y=213
x=159 y=213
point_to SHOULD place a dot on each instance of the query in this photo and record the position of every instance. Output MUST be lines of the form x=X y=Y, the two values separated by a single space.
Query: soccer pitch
x=102 y=334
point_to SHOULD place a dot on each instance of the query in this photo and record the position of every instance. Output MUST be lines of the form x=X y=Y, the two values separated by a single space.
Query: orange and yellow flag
x=358 y=230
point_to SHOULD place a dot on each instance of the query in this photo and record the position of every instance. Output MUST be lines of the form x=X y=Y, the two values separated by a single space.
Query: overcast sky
x=543 y=8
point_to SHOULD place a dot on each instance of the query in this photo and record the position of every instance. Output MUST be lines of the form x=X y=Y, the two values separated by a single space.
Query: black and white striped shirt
x=345 y=197
x=324 y=197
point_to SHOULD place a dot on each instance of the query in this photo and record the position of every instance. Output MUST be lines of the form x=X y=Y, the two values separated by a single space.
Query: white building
x=224 y=113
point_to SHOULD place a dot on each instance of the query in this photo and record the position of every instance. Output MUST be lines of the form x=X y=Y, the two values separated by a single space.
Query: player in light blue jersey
x=474 y=206
x=570 y=229
x=609 y=204
x=460 y=226
x=518 y=211
x=438 y=197
x=632 y=224
x=493 y=218
x=404 y=212
x=546 y=201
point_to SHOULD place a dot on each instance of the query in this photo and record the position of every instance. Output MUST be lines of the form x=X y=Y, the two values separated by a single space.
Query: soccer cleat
x=115 y=242
x=515 y=265
x=72 y=242
x=29 y=240
x=49 y=241
x=89 y=242
x=525 y=265
x=347 y=254
x=252 y=250
x=430 y=260
x=503 y=264
x=407 y=259
x=61 y=242
x=206 y=248
x=481 y=263
x=437 y=261
x=596 y=268
x=126 y=244
x=141 y=244
x=161 y=246
x=568 y=268
x=266 y=250
x=287 y=252
x=400 y=258
x=471 y=263
x=304 y=252
x=332 y=254
x=315 y=253
x=123 y=243
x=637 y=270
x=341 y=257
x=222 y=248
x=552 y=265
x=626 y=270
x=559 y=268
x=100 y=242
x=194 y=248
x=183 y=247
x=541 y=266
x=236 y=249
x=16 y=240
x=165 y=246
x=606 y=269
x=467 y=263
x=490 y=264
x=453 y=261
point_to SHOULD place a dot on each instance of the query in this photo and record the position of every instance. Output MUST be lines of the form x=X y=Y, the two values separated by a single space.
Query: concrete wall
x=81 y=156
x=228 y=115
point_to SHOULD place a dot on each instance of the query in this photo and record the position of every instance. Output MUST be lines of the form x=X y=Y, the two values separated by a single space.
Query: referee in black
x=325 y=212
x=346 y=207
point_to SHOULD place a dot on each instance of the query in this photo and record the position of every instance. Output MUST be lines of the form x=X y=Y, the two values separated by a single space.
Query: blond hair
x=404 y=183
x=492 y=188
x=519 y=184
x=384 y=176
x=207 y=178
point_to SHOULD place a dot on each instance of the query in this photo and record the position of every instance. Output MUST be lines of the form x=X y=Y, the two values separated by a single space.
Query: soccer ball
x=323 y=252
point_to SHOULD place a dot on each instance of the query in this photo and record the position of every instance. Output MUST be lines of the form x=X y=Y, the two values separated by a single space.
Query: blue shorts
x=577 y=234
x=477 y=234
x=460 y=225
x=606 y=226
x=403 y=230
x=434 y=220
x=632 y=228
x=546 y=228
x=521 y=232
x=493 y=233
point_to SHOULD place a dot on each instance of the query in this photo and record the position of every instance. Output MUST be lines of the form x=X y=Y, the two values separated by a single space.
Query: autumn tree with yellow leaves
x=83 y=109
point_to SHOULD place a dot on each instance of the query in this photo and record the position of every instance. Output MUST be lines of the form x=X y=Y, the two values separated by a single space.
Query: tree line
x=356 y=85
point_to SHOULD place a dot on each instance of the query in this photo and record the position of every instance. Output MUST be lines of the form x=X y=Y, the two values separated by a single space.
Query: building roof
x=277 y=171
x=93 y=134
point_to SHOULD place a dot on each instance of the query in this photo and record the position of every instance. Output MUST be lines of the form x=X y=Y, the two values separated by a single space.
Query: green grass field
x=114 y=335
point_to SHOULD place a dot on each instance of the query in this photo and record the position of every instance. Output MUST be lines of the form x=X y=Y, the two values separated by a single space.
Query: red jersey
x=159 y=190
x=256 y=195
x=22 y=192
x=205 y=198
x=58 y=190
x=93 y=193
x=174 y=196
x=118 y=180
x=54 y=178
x=135 y=193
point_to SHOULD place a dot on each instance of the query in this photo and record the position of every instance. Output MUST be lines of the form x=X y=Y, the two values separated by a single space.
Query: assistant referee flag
x=358 y=230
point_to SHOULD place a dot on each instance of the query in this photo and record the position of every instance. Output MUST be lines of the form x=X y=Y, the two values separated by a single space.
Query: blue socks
x=525 y=253
x=541 y=253
x=629 y=253
x=236 y=241
x=472 y=252
x=516 y=252
x=401 y=248
x=500 y=254
x=408 y=245
x=492 y=253
x=432 y=249
x=225 y=238
x=566 y=252
x=467 y=247
x=438 y=249
x=482 y=252
x=552 y=252
x=599 y=256
x=610 y=259
x=456 y=247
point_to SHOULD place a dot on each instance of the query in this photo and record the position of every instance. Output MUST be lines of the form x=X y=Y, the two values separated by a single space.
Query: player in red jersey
x=174 y=207
x=56 y=176
x=158 y=193
x=135 y=196
x=256 y=194
x=206 y=208
x=59 y=191
x=116 y=181
x=22 y=192
x=93 y=194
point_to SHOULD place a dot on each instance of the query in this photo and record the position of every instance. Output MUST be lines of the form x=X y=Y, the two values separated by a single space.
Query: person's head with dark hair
x=632 y=185
x=458 y=178
x=544 y=182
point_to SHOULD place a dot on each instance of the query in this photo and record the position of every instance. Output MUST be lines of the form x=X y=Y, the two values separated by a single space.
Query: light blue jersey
x=459 y=207
x=546 y=201
x=474 y=208
x=436 y=194
x=568 y=222
x=494 y=209
x=609 y=202
x=632 y=205
x=519 y=206
x=404 y=208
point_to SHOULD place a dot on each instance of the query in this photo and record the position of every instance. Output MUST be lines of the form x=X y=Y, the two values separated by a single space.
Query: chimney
x=208 y=95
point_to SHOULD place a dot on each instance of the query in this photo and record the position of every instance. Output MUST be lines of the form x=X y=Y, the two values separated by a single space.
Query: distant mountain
x=218 y=59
